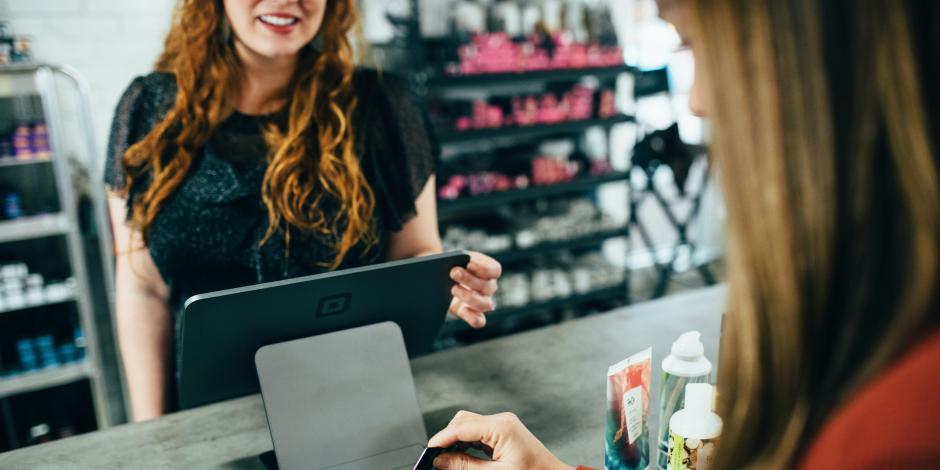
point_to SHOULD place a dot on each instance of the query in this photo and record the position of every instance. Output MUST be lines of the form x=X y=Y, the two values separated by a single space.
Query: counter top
x=554 y=378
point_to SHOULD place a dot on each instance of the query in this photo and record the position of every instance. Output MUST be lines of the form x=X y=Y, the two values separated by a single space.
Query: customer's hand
x=473 y=294
x=510 y=445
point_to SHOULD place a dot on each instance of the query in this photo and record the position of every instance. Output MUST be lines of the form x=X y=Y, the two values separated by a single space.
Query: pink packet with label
x=628 y=399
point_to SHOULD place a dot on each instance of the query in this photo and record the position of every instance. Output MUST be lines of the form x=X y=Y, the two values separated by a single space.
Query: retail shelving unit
x=28 y=93
x=452 y=211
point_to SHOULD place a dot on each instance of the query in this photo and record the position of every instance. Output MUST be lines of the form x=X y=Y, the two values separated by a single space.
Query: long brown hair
x=303 y=173
x=823 y=135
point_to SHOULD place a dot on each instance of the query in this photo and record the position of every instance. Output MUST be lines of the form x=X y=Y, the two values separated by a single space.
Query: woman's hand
x=502 y=436
x=476 y=284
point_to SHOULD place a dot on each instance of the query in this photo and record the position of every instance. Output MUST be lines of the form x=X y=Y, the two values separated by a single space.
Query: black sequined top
x=207 y=235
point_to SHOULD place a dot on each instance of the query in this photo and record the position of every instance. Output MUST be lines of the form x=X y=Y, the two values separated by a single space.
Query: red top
x=892 y=423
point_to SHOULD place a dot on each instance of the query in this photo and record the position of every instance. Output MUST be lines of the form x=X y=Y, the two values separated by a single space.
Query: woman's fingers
x=474 y=318
x=461 y=461
x=484 y=266
x=473 y=299
x=465 y=278
x=464 y=427
x=513 y=446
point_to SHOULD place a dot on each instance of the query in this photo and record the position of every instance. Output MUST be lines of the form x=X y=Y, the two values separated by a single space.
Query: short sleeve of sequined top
x=143 y=104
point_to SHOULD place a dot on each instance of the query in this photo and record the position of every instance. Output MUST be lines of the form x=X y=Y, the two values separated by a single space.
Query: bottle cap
x=698 y=398
x=689 y=346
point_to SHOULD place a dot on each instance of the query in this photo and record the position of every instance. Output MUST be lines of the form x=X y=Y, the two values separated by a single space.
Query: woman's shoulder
x=893 y=422
x=155 y=89
x=371 y=78
x=382 y=89
x=145 y=101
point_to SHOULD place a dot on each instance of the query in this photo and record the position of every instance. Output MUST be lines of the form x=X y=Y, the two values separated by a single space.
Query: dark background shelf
x=616 y=292
x=487 y=79
x=456 y=137
x=587 y=241
x=449 y=209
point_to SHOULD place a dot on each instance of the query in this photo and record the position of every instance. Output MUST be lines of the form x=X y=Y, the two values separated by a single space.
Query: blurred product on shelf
x=39 y=140
x=27 y=142
x=43 y=352
x=580 y=103
x=12 y=206
x=499 y=53
x=39 y=434
x=515 y=36
x=13 y=48
x=544 y=171
x=584 y=274
x=581 y=218
x=21 y=289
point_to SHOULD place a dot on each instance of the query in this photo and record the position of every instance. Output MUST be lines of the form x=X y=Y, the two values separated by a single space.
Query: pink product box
x=600 y=168
x=480 y=183
x=608 y=104
x=549 y=170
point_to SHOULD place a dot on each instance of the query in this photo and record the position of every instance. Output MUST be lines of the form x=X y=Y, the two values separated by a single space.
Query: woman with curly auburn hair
x=258 y=151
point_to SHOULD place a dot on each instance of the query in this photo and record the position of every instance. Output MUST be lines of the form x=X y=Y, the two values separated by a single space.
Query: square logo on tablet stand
x=333 y=305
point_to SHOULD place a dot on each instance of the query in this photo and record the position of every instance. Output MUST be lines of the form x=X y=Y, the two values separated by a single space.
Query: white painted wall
x=108 y=41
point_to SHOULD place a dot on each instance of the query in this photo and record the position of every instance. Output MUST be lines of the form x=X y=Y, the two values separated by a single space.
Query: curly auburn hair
x=302 y=174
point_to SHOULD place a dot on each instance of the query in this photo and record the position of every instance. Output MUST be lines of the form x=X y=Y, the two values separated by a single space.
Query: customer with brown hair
x=258 y=151
x=826 y=125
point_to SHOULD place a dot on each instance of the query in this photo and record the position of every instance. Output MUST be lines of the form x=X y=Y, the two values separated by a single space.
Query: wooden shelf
x=38 y=226
x=586 y=241
x=451 y=137
x=13 y=163
x=449 y=209
x=42 y=379
x=489 y=79
x=452 y=325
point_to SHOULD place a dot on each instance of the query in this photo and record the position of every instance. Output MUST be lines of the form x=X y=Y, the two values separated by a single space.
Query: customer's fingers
x=484 y=266
x=469 y=280
x=472 y=299
x=464 y=427
x=461 y=461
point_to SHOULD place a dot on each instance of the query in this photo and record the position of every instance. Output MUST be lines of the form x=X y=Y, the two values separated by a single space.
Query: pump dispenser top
x=687 y=358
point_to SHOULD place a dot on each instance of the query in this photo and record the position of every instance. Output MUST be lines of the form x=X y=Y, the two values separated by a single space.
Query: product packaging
x=685 y=364
x=628 y=400
x=694 y=430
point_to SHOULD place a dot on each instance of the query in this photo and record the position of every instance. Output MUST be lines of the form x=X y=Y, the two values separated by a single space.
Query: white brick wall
x=108 y=41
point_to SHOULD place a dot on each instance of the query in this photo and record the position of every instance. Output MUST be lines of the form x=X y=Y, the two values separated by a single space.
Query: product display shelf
x=38 y=226
x=40 y=80
x=449 y=137
x=42 y=379
x=9 y=162
x=441 y=82
x=455 y=325
x=65 y=300
x=451 y=209
x=444 y=87
x=586 y=241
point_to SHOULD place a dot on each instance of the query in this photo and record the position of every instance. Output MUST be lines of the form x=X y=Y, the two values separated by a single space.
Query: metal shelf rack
x=32 y=82
x=440 y=82
x=538 y=130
